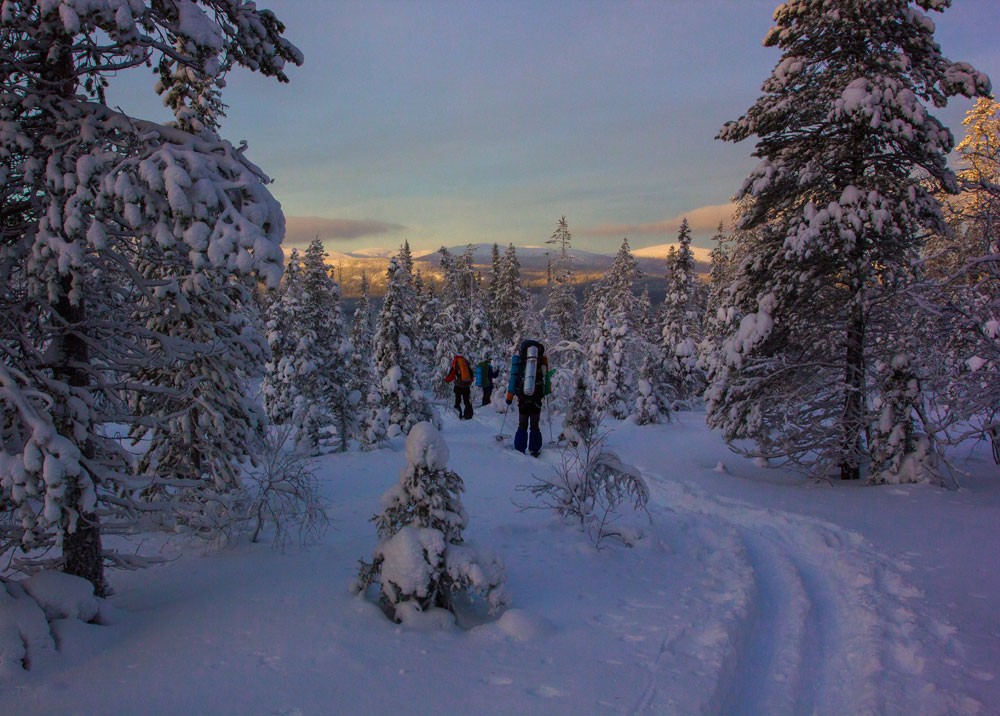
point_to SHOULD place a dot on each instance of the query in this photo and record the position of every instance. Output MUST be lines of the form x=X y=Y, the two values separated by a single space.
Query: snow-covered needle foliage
x=125 y=249
x=839 y=205
x=421 y=562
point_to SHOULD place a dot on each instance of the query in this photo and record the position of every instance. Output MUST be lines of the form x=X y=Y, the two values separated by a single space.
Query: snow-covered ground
x=751 y=592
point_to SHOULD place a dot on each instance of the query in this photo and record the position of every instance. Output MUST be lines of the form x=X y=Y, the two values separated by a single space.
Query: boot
x=535 y=442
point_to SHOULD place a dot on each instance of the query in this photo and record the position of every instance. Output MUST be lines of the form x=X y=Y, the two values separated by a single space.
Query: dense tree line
x=143 y=300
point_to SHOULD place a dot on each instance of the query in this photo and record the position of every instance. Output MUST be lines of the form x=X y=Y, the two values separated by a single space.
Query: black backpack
x=527 y=371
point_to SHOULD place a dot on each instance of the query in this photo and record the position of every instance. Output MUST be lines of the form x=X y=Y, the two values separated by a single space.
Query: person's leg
x=458 y=401
x=521 y=436
x=467 y=399
x=535 y=433
x=487 y=394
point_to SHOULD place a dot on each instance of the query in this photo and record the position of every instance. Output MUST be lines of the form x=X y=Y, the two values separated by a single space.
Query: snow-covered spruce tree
x=199 y=416
x=840 y=202
x=608 y=364
x=308 y=379
x=898 y=454
x=682 y=314
x=361 y=374
x=617 y=289
x=428 y=308
x=421 y=561
x=281 y=328
x=492 y=284
x=616 y=346
x=561 y=310
x=330 y=352
x=448 y=328
x=719 y=278
x=400 y=393
x=582 y=421
x=87 y=194
x=512 y=303
x=654 y=393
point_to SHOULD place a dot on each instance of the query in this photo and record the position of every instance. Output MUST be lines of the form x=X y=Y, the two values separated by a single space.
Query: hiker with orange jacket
x=461 y=374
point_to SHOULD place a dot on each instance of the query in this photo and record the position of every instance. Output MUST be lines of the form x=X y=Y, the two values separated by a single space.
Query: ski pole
x=503 y=422
x=548 y=409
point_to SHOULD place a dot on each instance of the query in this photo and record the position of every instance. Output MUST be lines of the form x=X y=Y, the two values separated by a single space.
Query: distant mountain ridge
x=651 y=259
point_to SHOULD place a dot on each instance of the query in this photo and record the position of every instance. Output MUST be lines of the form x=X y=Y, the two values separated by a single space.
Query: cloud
x=704 y=218
x=303 y=229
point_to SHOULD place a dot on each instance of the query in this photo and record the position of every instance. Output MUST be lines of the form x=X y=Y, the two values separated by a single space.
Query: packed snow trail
x=827 y=625
x=749 y=594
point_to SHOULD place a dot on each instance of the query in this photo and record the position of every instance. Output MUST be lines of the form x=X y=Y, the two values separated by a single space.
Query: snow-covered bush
x=282 y=493
x=421 y=562
x=590 y=486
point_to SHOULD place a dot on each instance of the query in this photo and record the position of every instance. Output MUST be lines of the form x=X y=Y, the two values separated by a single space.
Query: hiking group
x=529 y=382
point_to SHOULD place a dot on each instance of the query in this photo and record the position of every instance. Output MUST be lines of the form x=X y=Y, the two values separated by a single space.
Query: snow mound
x=519 y=625
x=426 y=448
x=62 y=596
x=28 y=609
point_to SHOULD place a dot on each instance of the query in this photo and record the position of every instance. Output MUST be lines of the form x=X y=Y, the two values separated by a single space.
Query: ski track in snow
x=798 y=616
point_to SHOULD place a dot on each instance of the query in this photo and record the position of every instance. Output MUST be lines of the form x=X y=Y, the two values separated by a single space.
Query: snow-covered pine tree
x=87 y=193
x=841 y=199
x=401 y=401
x=962 y=332
x=682 y=314
x=421 y=561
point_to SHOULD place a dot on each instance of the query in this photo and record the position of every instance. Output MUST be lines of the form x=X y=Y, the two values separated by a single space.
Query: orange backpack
x=463 y=373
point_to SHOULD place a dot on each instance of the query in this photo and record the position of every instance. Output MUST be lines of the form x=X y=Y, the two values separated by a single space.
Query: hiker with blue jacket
x=529 y=381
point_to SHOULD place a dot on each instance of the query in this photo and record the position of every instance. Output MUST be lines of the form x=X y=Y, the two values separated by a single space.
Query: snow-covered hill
x=749 y=593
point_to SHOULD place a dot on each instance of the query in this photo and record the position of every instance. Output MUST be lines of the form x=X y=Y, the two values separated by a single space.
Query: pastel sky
x=446 y=122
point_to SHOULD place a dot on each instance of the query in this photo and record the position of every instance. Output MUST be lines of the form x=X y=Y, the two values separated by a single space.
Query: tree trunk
x=852 y=423
x=82 y=549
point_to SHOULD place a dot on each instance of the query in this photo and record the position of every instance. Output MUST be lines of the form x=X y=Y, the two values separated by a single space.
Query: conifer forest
x=176 y=386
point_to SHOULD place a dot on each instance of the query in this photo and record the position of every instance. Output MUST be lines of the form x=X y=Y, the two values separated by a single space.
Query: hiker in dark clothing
x=529 y=382
x=461 y=374
x=485 y=373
